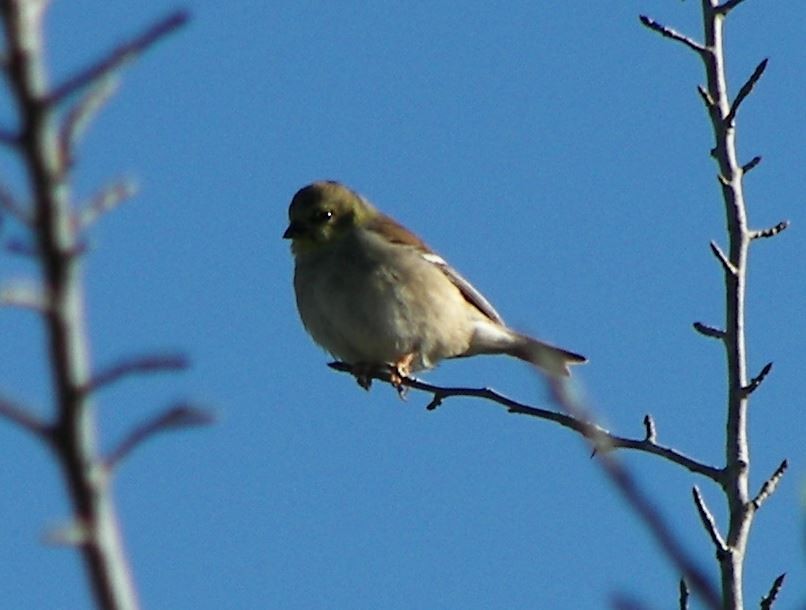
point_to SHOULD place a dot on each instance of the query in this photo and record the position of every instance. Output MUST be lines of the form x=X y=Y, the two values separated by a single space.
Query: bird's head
x=322 y=213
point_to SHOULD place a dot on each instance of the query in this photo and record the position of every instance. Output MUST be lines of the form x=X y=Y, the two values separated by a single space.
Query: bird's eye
x=323 y=216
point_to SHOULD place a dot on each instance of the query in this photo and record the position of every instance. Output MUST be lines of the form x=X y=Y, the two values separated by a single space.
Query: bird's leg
x=363 y=374
x=399 y=371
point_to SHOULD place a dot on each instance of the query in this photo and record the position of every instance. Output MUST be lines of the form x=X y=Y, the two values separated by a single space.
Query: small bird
x=374 y=295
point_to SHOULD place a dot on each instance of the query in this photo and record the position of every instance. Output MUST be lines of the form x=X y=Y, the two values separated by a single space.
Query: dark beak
x=292 y=231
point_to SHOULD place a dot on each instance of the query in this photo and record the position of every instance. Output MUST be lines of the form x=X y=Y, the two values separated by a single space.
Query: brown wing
x=398 y=234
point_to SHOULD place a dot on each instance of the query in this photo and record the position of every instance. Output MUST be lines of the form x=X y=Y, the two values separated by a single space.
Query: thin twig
x=726 y=264
x=137 y=365
x=586 y=429
x=180 y=416
x=768 y=600
x=728 y=6
x=651 y=431
x=23 y=417
x=770 y=485
x=757 y=380
x=673 y=34
x=708 y=521
x=25 y=296
x=9 y=138
x=745 y=91
x=751 y=164
x=119 y=56
x=771 y=232
x=105 y=201
x=683 y=599
x=81 y=114
x=709 y=331
x=10 y=204
x=706 y=97
x=20 y=247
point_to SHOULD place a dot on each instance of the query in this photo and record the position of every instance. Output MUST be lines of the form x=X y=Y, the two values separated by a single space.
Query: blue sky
x=559 y=159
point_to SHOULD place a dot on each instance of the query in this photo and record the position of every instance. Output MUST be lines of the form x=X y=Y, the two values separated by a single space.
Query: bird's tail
x=551 y=359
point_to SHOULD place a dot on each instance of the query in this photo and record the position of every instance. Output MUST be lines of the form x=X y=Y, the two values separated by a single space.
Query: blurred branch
x=10 y=204
x=23 y=417
x=24 y=295
x=625 y=483
x=180 y=416
x=81 y=114
x=105 y=201
x=586 y=429
x=119 y=56
x=137 y=365
x=45 y=151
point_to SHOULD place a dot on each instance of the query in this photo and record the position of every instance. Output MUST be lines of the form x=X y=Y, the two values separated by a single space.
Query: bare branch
x=706 y=97
x=585 y=429
x=105 y=201
x=24 y=295
x=74 y=533
x=10 y=204
x=771 y=232
x=180 y=416
x=769 y=486
x=24 y=418
x=708 y=521
x=651 y=432
x=757 y=380
x=80 y=115
x=768 y=600
x=137 y=365
x=745 y=91
x=726 y=264
x=673 y=34
x=728 y=6
x=751 y=164
x=683 y=599
x=9 y=138
x=119 y=56
x=21 y=247
x=709 y=331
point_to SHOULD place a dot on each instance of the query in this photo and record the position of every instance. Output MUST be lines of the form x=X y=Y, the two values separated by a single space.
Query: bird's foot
x=363 y=374
x=398 y=372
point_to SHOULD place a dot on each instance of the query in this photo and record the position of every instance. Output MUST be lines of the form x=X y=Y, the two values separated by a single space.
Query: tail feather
x=553 y=360
x=492 y=338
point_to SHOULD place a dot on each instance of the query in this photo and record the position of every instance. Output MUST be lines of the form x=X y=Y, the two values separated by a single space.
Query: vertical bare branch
x=45 y=155
x=75 y=428
x=722 y=113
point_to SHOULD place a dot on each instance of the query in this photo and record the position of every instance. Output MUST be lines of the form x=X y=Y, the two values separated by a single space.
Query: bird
x=375 y=296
